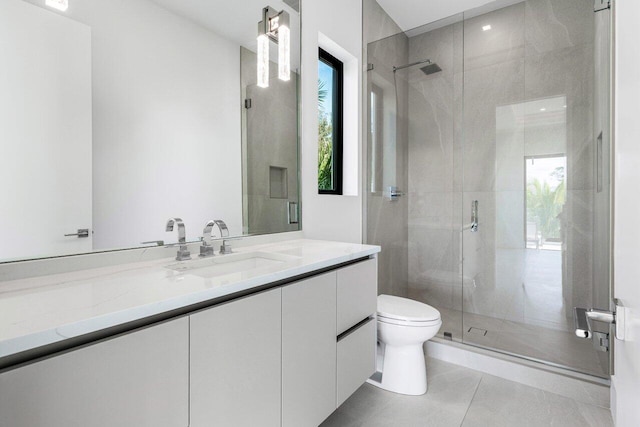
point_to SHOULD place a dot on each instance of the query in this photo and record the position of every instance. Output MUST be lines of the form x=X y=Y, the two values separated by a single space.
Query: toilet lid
x=405 y=309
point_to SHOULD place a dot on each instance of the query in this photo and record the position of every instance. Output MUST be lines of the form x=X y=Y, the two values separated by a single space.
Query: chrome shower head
x=431 y=69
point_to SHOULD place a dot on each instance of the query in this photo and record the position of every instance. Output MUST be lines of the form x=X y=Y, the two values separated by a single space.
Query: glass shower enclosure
x=488 y=174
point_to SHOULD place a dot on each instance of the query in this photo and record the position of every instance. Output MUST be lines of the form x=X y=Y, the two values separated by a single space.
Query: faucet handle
x=225 y=247
x=183 y=253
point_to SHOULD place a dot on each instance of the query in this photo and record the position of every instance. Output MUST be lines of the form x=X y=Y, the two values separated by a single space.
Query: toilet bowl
x=404 y=325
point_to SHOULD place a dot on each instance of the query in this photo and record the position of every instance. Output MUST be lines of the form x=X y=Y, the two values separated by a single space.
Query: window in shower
x=376 y=138
x=545 y=198
x=330 y=83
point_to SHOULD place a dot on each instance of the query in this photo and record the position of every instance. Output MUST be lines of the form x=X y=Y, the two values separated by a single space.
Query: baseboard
x=580 y=387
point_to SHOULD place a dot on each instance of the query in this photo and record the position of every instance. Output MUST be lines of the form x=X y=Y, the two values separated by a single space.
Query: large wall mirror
x=116 y=115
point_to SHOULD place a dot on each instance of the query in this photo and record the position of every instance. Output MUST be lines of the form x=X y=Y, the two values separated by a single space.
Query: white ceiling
x=410 y=14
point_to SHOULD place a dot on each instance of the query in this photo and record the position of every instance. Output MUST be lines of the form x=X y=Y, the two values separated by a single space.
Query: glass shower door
x=534 y=158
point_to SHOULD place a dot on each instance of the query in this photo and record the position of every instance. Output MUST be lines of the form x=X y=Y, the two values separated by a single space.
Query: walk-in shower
x=488 y=174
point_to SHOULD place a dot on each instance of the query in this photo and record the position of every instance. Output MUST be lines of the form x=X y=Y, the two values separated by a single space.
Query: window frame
x=337 y=120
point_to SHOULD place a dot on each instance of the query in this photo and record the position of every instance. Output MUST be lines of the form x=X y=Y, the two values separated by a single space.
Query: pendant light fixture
x=274 y=27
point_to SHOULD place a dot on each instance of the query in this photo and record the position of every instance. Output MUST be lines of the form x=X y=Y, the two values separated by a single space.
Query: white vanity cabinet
x=287 y=356
x=357 y=299
x=309 y=351
x=235 y=363
x=328 y=341
x=138 y=379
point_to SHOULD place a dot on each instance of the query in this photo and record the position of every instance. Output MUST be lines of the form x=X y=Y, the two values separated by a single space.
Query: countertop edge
x=30 y=342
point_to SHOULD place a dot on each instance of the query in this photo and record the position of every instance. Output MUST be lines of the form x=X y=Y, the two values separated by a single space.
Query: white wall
x=45 y=132
x=166 y=122
x=625 y=397
x=327 y=216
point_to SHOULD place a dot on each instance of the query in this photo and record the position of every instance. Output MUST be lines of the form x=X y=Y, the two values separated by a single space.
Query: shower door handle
x=394 y=194
x=583 y=317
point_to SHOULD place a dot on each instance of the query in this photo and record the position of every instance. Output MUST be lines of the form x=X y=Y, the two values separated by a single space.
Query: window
x=544 y=202
x=330 y=83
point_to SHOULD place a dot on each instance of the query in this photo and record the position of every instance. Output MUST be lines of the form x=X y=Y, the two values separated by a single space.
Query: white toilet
x=403 y=327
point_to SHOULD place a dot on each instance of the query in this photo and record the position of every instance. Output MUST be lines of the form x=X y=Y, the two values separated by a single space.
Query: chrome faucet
x=183 y=251
x=206 y=249
x=225 y=248
x=224 y=231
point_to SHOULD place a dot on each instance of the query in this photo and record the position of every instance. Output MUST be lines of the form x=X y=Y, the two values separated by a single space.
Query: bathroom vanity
x=272 y=335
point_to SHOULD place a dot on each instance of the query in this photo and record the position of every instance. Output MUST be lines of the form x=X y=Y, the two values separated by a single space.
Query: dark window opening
x=330 y=93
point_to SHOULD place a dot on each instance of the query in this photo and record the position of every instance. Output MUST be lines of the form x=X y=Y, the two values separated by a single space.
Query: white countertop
x=45 y=310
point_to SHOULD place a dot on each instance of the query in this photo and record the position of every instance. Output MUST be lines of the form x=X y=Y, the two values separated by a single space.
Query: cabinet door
x=236 y=363
x=356 y=359
x=139 y=379
x=357 y=293
x=309 y=351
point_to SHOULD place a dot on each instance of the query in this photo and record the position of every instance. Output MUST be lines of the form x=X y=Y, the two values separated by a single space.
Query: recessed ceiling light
x=486 y=28
x=58 y=4
x=543 y=109
x=564 y=106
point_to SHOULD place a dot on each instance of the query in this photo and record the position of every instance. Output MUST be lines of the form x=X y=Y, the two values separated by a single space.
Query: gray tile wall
x=387 y=221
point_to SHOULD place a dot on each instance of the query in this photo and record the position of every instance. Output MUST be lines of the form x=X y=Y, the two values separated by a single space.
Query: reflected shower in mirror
x=118 y=115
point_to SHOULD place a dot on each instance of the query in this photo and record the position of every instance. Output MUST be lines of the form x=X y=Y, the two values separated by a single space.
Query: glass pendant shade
x=263 y=60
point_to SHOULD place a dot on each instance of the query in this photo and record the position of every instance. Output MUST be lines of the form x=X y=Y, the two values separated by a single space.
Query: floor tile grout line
x=471 y=401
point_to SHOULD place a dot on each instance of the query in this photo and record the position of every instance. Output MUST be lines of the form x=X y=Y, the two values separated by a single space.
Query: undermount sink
x=221 y=265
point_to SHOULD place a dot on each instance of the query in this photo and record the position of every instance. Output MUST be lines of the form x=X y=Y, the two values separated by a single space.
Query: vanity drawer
x=356 y=359
x=357 y=293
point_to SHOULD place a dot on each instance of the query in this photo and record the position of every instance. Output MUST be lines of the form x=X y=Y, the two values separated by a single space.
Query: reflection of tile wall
x=270 y=143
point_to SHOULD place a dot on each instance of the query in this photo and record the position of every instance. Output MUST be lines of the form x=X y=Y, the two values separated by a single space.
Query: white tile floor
x=458 y=396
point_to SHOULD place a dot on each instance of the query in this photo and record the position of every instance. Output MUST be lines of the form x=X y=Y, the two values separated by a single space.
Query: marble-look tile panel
x=386 y=53
x=376 y=23
x=431 y=257
x=431 y=134
x=387 y=227
x=386 y=220
x=458 y=131
x=437 y=46
x=504 y=42
x=499 y=402
x=431 y=209
x=510 y=147
x=557 y=24
x=485 y=90
x=510 y=218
